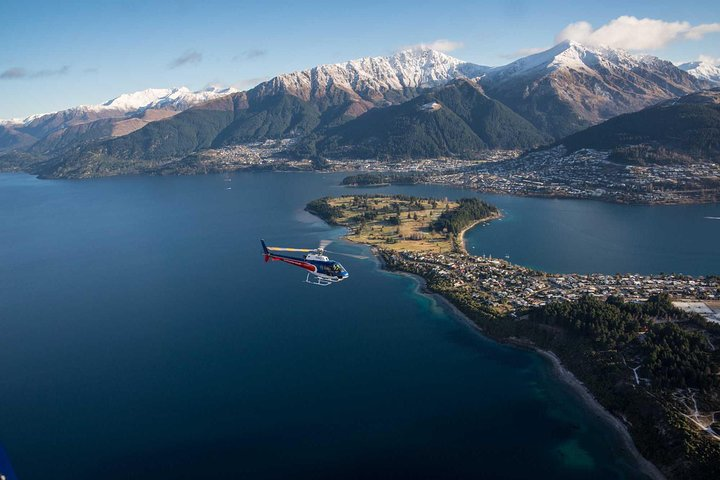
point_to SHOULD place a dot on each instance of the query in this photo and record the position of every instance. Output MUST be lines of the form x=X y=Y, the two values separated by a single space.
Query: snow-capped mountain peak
x=128 y=104
x=135 y=100
x=702 y=70
x=175 y=98
x=426 y=67
x=570 y=55
x=371 y=77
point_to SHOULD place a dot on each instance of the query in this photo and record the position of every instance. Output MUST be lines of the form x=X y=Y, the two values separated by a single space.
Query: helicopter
x=321 y=270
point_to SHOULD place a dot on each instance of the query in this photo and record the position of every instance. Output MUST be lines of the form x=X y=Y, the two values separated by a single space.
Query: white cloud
x=632 y=33
x=709 y=59
x=441 y=45
x=696 y=33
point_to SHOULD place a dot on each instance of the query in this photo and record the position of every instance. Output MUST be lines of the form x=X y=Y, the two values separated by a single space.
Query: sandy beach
x=461 y=235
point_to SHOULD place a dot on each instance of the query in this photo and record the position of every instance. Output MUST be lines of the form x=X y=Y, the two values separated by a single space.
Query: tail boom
x=298 y=262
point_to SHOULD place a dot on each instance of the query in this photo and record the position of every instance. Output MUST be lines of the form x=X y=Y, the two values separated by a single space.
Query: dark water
x=142 y=336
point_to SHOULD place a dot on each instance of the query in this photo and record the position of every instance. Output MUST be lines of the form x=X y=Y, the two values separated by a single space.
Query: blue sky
x=58 y=54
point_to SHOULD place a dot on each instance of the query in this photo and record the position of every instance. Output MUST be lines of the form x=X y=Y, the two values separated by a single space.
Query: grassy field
x=396 y=223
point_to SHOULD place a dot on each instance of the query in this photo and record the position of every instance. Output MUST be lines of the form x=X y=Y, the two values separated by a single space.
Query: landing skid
x=315 y=280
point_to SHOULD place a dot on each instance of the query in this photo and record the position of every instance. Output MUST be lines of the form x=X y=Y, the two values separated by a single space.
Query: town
x=589 y=174
x=552 y=172
x=510 y=289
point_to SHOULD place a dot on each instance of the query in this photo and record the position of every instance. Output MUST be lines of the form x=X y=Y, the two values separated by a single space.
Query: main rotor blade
x=325 y=243
x=359 y=257
x=281 y=249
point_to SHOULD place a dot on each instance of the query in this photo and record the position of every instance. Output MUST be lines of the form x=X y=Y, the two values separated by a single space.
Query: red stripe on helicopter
x=297 y=263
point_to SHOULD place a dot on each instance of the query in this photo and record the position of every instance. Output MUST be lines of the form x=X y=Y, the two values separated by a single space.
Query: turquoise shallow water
x=144 y=337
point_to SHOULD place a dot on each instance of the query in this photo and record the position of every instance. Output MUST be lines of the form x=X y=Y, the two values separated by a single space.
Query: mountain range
x=415 y=103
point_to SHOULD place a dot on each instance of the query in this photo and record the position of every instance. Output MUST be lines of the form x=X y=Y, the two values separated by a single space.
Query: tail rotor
x=266 y=252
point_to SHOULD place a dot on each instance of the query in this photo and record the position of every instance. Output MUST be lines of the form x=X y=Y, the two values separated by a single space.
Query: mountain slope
x=457 y=119
x=686 y=130
x=570 y=86
x=12 y=139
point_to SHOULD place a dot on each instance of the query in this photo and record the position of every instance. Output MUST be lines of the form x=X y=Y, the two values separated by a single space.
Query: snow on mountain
x=702 y=70
x=129 y=104
x=134 y=100
x=175 y=98
x=572 y=56
x=371 y=77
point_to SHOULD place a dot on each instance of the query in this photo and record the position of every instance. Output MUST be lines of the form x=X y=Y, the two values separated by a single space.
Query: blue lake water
x=564 y=236
x=142 y=336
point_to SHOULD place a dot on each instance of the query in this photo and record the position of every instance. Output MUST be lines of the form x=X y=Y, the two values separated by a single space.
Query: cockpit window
x=332 y=268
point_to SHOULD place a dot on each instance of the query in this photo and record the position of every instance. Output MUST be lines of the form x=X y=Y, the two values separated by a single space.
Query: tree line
x=469 y=210
x=322 y=208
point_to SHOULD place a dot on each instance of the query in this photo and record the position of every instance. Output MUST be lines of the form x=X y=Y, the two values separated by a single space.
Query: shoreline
x=558 y=369
x=301 y=170
x=551 y=196
x=579 y=388
x=560 y=372
x=461 y=235
x=548 y=196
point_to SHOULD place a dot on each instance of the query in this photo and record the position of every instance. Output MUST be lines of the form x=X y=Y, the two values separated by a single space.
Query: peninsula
x=634 y=342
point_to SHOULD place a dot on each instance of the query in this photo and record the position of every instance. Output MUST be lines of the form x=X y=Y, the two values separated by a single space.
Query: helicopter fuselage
x=319 y=265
